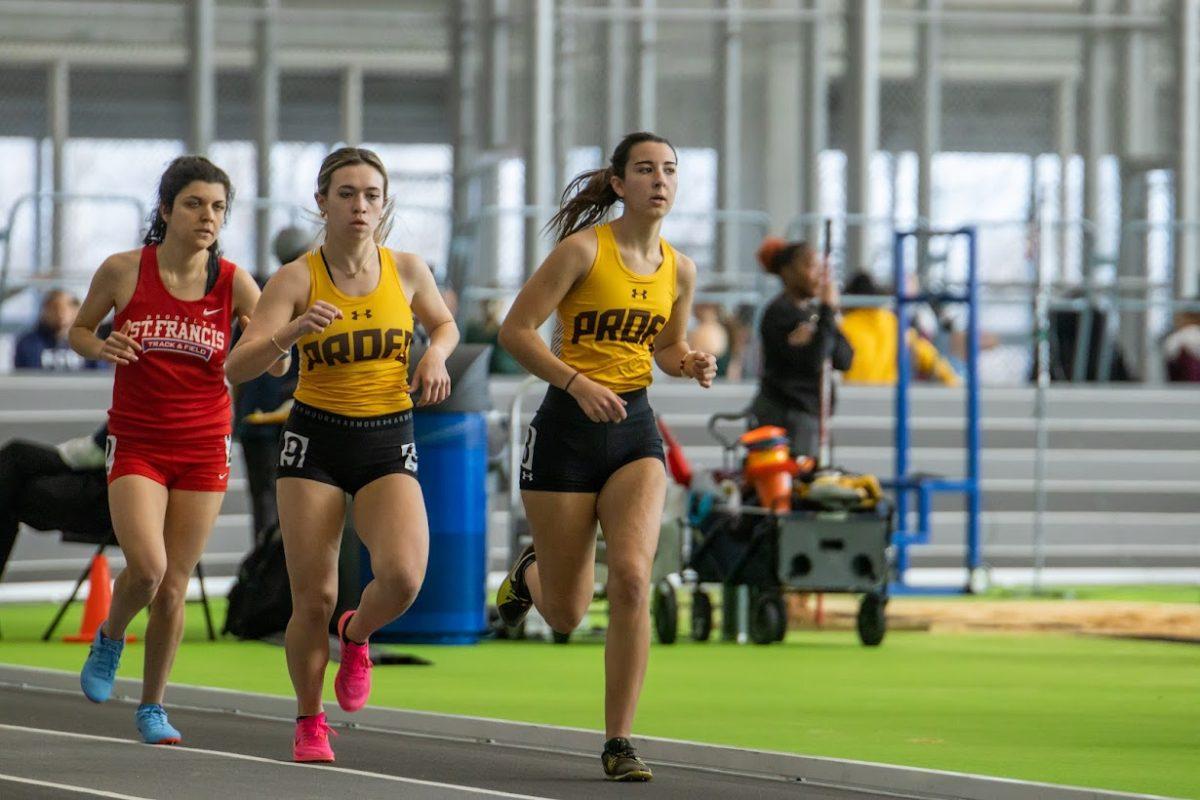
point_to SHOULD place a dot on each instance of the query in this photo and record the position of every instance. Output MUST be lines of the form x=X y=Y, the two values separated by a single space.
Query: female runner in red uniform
x=167 y=454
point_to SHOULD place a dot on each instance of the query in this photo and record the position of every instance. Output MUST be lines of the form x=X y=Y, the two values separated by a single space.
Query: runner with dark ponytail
x=169 y=426
x=622 y=298
x=179 y=173
x=590 y=195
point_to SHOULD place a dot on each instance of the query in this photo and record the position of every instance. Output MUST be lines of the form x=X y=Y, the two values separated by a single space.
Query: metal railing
x=6 y=238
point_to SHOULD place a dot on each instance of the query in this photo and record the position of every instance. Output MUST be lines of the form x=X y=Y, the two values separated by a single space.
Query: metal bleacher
x=1123 y=467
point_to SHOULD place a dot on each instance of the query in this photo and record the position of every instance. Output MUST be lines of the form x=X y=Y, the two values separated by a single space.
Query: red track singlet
x=175 y=392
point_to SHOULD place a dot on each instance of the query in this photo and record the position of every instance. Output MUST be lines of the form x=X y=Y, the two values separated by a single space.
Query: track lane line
x=68 y=788
x=274 y=762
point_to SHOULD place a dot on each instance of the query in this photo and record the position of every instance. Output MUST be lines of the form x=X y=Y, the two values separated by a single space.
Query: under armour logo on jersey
x=634 y=293
x=354 y=314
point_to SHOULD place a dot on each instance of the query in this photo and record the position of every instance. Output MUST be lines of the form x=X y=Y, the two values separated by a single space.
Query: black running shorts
x=347 y=452
x=566 y=452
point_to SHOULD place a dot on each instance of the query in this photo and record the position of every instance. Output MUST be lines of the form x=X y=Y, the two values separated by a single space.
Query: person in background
x=1099 y=357
x=486 y=330
x=945 y=326
x=54 y=487
x=745 y=350
x=872 y=332
x=711 y=335
x=257 y=399
x=1181 y=348
x=46 y=346
x=799 y=331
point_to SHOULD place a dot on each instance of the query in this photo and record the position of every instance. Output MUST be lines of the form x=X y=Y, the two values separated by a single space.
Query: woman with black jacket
x=799 y=330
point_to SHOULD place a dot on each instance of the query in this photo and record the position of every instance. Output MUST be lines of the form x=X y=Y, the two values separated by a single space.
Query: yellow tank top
x=358 y=366
x=607 y=324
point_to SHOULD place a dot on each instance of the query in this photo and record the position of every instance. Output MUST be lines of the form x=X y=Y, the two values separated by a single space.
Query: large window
x=419 y=177
x=21 y=245
x=237 y=237
x=122 y=176
x=691 y=225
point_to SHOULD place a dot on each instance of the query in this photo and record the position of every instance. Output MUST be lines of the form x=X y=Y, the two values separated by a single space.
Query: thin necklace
x=328 y=269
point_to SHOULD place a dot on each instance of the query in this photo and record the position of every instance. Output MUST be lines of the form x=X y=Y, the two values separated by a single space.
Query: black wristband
x=567 y=385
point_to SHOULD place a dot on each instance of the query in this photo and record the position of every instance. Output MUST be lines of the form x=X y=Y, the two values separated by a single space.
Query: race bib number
x=294 y=448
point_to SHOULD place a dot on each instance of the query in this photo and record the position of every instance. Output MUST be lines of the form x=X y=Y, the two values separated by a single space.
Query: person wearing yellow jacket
x=872 y=334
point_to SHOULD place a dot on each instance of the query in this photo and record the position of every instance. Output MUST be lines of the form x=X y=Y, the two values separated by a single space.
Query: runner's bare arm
x=246 y=295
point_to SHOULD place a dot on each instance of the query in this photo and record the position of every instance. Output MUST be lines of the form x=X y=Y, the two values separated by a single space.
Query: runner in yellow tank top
x=349 y=307
x=593 y=452
x=607 y=324
x=358 y=366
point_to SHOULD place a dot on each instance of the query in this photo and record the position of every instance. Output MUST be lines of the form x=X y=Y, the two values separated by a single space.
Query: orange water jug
x=770 y=466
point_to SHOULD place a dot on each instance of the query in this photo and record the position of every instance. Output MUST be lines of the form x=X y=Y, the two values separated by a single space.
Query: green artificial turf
x=1112 y=714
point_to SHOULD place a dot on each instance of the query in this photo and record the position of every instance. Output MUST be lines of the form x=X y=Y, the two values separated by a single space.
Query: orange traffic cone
x=95 y=608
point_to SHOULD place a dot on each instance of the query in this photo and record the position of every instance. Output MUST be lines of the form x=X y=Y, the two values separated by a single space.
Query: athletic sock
x=346 y=638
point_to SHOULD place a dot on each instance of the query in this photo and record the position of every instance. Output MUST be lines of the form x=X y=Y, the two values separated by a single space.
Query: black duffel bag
x=260 y=600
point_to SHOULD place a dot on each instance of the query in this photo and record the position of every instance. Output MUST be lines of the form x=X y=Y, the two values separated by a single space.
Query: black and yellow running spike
x=621 y=762
x=513 y=600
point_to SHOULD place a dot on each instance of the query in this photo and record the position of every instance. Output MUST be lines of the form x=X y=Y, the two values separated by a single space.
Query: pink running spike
x=353 y=682
x=312 y=740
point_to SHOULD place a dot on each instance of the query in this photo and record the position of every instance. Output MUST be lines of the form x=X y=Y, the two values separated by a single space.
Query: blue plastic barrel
x=452 y=471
